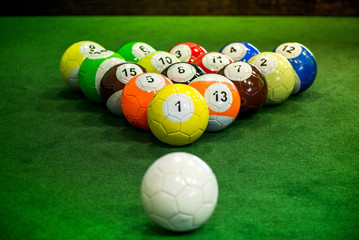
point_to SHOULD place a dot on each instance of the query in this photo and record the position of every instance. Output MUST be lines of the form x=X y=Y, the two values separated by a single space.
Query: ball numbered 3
x=178 y=115
x=187 y=51
x=222 y=98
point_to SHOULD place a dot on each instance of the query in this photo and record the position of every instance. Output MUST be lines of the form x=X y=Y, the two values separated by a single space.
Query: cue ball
x=183 y=72
x=114 y=81
x=251 y=85
x=303 y=62
x=179 y=192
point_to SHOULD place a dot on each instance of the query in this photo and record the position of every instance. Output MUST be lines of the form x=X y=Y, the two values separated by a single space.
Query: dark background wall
x=184 y=7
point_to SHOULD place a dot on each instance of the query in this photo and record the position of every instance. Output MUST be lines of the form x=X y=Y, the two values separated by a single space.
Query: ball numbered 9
x=73 y=57
x=222 y=98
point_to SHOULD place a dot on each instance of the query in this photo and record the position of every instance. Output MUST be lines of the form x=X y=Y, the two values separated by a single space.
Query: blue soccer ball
x=239 y=51
x=303 y=62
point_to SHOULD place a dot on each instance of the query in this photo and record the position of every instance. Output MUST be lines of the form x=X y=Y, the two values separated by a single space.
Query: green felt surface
x=71 y=170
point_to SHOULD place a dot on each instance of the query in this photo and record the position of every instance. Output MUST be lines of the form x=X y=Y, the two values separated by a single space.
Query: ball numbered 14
x=178 y=115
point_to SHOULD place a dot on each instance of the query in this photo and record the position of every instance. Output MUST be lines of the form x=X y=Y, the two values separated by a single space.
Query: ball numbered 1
x=93 y=69
x=239 y=51
x=158 y=61
x=134 y=51
x=183 y=72
x=187 y=51
x=178 y=115
x=212 y=62
x=114 y=81
x=73 y=57
x=137 y=95
x=179 y=192
x=303 y=62
x=279 y=75
x=251 y=85
x=222 y=98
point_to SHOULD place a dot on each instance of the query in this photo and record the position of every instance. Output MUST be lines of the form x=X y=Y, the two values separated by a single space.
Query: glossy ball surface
x=239 y=51
x=251 y=85
x=279 y=75
x=114 y=81
x=179 y=192
x=222 y=98
x=303 y=62
x=158 y=61
x=134 y=51
x=178 y=115
x=187 y=51
x=183 y=72
x=93 y=69
x=212 y=62
x=73 y=57
x=137 y=95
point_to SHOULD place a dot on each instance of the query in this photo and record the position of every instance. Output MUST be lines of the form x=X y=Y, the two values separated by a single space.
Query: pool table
x=72 y=170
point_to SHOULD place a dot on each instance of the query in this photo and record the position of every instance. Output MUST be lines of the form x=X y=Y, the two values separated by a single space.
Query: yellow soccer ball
x=178 y=115
x=73 y=57
x=279 y=75
x=157 y=61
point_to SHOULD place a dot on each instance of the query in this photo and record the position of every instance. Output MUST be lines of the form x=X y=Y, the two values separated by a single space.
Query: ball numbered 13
x=222 y=98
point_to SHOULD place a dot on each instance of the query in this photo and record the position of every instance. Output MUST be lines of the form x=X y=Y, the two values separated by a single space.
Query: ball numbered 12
x=137 y=95
x=93 y=69
x=187 y=51
x=179 y=192
x=251 y=85
x=222 y=98
x=212 y=62
x=239 y=51
x=114 y=81
x=303 y=62
x=73 y=57
x=178 y=115
x=134 y=51
x=183 y=72
x=279 y=75
x=158 y=61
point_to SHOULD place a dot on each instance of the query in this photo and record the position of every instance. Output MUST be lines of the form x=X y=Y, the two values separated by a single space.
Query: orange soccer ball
x=222 y=98
x=137 y=95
